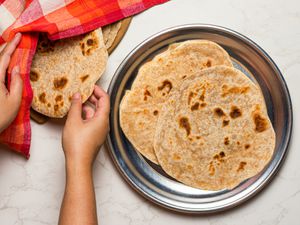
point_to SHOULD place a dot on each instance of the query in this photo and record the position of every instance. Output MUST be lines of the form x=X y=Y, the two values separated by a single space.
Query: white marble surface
x=31 y=191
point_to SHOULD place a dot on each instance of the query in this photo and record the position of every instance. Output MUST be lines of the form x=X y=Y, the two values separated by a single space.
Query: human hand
x=10 y=100
x=82 y=137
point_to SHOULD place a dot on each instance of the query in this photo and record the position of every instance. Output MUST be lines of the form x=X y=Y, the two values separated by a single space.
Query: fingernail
x=18 y=35
x=76 y=96
x=16 y=70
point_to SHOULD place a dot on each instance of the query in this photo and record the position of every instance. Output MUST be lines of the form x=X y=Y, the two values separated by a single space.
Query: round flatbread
x=141 y=106
x=110 y=33
x=214 y=131
x=105 y=32
x=61 y=68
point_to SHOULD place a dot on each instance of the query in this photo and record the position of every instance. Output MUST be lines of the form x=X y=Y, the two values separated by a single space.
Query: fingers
x=99 y=92
x=103 y=104
x=16 y=87
x=99 y=99
x=14 y=97
x=88 y=111
x=75 y=111
x=92 y=99
x=6 y=55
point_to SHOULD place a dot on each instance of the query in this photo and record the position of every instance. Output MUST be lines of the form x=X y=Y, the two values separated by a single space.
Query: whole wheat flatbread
x=110 y=32
x=214 y=131
x=105 y=32
x=61 y=68
x=141 y=106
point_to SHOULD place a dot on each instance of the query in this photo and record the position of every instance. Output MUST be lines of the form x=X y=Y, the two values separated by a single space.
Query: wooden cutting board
x=40 y=118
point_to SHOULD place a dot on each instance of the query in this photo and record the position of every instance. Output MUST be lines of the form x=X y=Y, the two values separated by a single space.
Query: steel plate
x=148 y=178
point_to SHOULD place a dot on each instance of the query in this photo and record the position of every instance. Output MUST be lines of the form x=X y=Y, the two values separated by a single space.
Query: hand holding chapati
x=10 y=97
x=83 y=135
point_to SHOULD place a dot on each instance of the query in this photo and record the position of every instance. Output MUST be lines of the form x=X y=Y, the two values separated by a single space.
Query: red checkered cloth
x=60 y=19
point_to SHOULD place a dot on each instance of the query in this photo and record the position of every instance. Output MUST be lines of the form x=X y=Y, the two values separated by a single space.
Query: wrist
x=78 y=167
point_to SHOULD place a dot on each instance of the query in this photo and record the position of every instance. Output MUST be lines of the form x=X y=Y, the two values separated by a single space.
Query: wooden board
x=40 y=118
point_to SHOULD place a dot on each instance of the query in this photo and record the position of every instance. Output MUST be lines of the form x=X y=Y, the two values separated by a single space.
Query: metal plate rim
x=259 y=187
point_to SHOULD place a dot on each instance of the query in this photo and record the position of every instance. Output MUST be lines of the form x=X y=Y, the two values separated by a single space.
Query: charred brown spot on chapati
x=83 y=78
x=202 y=96
x=56 y=107
x=176 y=157
x=234 y=90
x=34 y=76
x=219 y=112
x=219 y=157
x=195 y=106
x=146 y=94
x=208 y=63
x=60 y=83
x=241 y=166
x=185 y=124
x=222 y=154
x=42 y=97
x=211 y=169
x=235 y=112
x=225 y=123
x=226 y=141
x=89 y=45
x=260 y=122
x=90 y=42
x=191 y=95
x=247 y=146
x=58 y=98
x=166 y=85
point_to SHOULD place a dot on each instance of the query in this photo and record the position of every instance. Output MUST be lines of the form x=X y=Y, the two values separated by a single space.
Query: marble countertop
x=31 y=191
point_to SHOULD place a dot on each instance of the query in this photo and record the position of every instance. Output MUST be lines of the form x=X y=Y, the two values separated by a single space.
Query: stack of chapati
x=61 y=68
x=110 y=32
x=203 y=121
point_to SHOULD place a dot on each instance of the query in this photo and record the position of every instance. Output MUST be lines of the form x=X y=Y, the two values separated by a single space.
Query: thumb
x=16 y=86
x=75 y=109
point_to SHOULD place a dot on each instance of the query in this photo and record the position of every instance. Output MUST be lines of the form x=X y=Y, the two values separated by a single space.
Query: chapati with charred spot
x=141 y=106
x=63 y=67
x=219 y=145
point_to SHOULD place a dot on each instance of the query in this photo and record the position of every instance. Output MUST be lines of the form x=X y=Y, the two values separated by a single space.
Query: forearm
x=79 y=205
